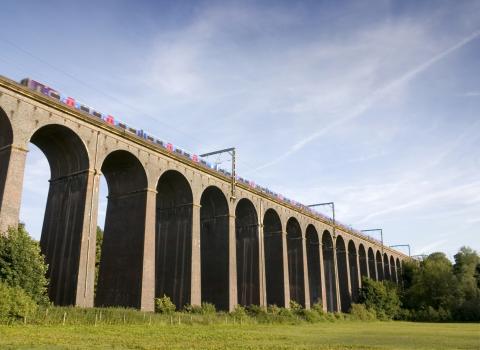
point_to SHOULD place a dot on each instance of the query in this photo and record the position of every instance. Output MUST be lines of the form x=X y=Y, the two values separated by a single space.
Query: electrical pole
x=231 y=152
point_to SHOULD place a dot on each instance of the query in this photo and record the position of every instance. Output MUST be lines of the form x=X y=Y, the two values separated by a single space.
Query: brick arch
x=121 y=263
x=274 y=267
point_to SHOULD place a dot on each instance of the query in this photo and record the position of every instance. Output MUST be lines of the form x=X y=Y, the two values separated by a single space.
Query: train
x=140 y=133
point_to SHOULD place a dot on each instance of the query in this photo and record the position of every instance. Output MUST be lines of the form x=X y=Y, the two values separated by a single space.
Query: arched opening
x=313 y=263
x=386 y=266
x=393 y=269
x=173 y=238
x=6 y=139
x=272 y=233
x=362 y=257
x=121 y=262
x=378 y=260
x=63 y=220
x=329 y=271
x=353 y=268
x=371 y=265
x=214 y=221
x=295 y=261
x=246 y=233
x=342 y=274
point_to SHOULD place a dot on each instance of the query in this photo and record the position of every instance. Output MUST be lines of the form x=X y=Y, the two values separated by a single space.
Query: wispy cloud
x=368 y=102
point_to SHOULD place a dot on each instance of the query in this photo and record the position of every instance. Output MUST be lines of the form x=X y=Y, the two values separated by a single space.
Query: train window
x=149 y=138
x=96 y=114
x=159 y=142
x=170 y=147
x=54 y=94
x=132 y=130
x=84 y=108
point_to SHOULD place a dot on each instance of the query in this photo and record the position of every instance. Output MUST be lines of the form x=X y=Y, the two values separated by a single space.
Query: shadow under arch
x=329 y=271
x=362 y=258
x=378 y=261
x=353 y=268
x=393 y=269
x=399 y=272
x=274 y=274
x=313 y=263
x=121 y=263
x=173 y=238
x=246 y=234
x=63 y=221
x=371 y=265
x=342 y=274
x=386 y=266
x=214 y=245
x=6 y=139
x=295 y=261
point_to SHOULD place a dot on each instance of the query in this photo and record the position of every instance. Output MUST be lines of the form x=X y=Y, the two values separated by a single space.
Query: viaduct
x=172 y=226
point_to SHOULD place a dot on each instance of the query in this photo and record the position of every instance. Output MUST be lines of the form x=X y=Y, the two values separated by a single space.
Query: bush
x=239 y=311
x=360 y=312
x=22 y=265
x=15 y=303
x=255 y=310
x=164 y=305
x=295 y=307
x=382 y=297
x=318 y=308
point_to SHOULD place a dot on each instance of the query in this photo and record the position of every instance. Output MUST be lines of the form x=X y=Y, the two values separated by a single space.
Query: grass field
x=324 y=335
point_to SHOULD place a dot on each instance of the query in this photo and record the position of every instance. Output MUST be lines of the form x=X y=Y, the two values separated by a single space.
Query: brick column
x=359 y=269
x=286 y=280
x=86 y=267
x=232 y=264
x=305 y=274
x=12 y=168
x=261 y=267
x=196 y=277
x=148 y=271
x=322 y=277
x=335 y=268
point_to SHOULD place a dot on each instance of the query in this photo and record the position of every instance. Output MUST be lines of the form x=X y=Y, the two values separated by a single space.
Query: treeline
x=434 y=289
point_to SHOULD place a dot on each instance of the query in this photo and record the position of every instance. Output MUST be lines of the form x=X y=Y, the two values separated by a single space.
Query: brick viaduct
x=171 y=226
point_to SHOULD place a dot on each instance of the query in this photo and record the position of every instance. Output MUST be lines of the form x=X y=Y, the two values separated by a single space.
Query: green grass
x=322 y=335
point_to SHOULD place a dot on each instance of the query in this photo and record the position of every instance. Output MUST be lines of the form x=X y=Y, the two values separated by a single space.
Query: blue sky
x=371 y=104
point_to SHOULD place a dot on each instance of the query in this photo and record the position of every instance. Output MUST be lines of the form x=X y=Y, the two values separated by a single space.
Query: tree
x=382 y=297
x=98 y=254
x=22 y=265
x=433 y=285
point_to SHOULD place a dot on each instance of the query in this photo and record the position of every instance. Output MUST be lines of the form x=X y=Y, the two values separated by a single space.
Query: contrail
x=371 y=100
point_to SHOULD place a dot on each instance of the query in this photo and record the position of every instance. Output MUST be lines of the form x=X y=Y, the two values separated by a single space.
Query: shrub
x=208 y=308
x=381 y=297
x=310 y=315
x=164 y=305
x=22 y=265
x=255 y=310
x=318 y=308
x=274 y=309
x=295 y=307
x=239 y=311
x=360 y=312
x=15 y=303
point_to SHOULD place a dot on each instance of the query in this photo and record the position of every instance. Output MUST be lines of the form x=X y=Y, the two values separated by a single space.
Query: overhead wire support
x=376 y=230
x=231 y=152
x=332 y=205
x=402 y=245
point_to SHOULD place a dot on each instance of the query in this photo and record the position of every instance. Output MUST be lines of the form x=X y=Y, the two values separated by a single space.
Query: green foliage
x=204 y=309
x=318 y=308
x=434 y=284
x=164 y=305
x=255 y=310
x=15 y=303
x=22 y=265
x=381 y=297
x=295 y=307
x=361 y=313
x=98 y=253
x=239 y=312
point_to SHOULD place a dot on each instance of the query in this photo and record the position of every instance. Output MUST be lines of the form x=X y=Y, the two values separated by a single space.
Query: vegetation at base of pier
x=431 y=290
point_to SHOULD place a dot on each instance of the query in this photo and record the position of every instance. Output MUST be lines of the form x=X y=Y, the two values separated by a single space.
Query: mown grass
x=248 y=335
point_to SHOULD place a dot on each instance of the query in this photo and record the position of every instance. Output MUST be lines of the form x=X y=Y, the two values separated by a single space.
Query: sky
x=371 y=104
